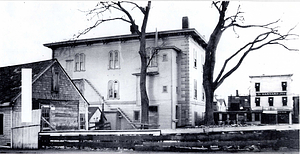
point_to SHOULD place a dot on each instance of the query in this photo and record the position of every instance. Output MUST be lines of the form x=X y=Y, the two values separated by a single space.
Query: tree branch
x=262 y=37
x=98 y=22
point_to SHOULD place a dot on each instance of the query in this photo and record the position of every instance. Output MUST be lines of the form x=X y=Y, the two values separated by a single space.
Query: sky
x=27 y=25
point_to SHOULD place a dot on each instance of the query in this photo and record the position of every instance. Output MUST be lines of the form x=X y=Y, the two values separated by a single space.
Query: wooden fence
x=173 y=142
x=25 y=134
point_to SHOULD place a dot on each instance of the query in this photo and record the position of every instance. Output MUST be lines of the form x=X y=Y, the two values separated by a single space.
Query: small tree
x=271 y=36
x=126 y=16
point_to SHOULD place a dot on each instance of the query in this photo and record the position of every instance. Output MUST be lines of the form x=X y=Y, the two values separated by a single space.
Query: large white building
x=272 y=98
x=110 y=67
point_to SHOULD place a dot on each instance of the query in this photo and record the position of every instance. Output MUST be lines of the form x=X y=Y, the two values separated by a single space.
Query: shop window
x=113 y=89
x=256 y=116
x=284 y=86
x=284 y=101
x=257 y=86
x=136 y=115
x=1 y=124
x=114 y=59
x=257 y=101
x=249 y=117
x=271 y=100
x=82 y=121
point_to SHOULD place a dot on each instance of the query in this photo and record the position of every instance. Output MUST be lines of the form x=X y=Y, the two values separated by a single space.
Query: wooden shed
x=57 y=104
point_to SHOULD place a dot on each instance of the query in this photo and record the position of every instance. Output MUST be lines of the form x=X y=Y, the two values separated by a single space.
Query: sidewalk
x=231 y=128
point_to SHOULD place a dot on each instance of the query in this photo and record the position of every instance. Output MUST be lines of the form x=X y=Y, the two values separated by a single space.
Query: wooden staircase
x=127 y=118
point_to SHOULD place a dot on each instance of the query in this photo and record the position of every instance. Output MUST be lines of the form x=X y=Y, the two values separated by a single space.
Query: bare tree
x=271 y=36
x=127 y=16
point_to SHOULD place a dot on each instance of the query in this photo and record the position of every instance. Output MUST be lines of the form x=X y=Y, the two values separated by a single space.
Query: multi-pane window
x=114 y=59
x=1 y=124
x=82 y=121
x=46 y=116
x=113 y=89
x=283 y=85
x=257 y=86
x=257 y=101
x=195 y=89
x=80 y=62
x=271 y=100
x=151 y=57
x=284 y=101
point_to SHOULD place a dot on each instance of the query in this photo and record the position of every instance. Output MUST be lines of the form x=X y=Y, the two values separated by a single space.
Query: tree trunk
x=209 y=97
x=143 y=90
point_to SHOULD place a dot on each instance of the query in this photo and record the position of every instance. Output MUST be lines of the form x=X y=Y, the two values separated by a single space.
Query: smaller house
x=57 y=104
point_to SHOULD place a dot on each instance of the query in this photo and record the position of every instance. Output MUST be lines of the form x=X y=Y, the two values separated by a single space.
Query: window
x=195 y=58
x=257 y=86
x=152 y=57
x=46 y=116
x=82 y=121
x=113 y=89
x=195 y=89
x=165 y=57
x=283 y=85
x=271 y=99
x=1 y=124
x=136 y=115
x=69 y=67
x=114 y=60
x=165 y=89
x=284 y=101
x=80 y=62
x=257 y=101
x=153 y=115
x=55 y=80
x=256 y=116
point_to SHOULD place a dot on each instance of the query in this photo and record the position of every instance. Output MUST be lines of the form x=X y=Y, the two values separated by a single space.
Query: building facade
x=239 y=102
x=272 y=98
x=112 y=66
x=57 y=104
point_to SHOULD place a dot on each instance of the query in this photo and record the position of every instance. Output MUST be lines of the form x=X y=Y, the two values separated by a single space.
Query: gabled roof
x=189 y=31
x=10 y=78
x=92 y=110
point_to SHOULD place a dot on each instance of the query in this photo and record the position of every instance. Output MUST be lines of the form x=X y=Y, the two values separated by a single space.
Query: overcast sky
x=26 y=26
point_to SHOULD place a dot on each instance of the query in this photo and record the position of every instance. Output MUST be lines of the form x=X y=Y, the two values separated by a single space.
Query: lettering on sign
x=271 y=94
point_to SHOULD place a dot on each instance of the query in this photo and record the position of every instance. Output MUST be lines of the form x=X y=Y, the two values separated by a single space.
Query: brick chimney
x=185 y=22
x=132 y=30
x=237 y=92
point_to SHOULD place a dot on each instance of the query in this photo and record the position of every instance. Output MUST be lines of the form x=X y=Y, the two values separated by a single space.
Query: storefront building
x=272 y=98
